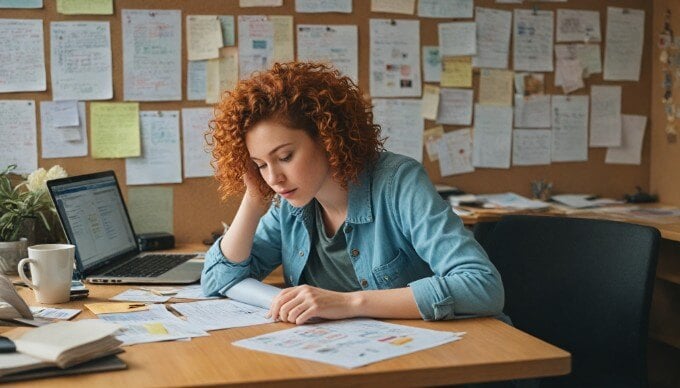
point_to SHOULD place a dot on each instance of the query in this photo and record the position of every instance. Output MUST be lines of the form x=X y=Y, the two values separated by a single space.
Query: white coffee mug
x=51 y=271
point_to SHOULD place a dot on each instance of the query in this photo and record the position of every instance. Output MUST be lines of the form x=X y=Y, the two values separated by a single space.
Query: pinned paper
x=431 y=137
x=155 y=328
x=429 y=105
x=115 y=129
x=116 y=307
x=85 y=7
x=495 y=87
x=456 y=72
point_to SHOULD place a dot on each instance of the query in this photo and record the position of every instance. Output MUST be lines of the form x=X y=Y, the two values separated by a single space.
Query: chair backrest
x=583 y=285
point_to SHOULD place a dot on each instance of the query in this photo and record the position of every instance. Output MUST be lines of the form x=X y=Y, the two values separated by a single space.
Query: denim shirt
x=399 y=233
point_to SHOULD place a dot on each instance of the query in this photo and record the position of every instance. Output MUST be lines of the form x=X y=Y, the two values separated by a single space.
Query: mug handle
x=22 y=275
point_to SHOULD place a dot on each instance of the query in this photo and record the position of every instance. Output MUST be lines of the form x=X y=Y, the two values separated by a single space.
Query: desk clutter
x=138 y=316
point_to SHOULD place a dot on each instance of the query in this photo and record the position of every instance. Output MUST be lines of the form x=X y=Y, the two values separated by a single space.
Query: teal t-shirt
x=329 y=266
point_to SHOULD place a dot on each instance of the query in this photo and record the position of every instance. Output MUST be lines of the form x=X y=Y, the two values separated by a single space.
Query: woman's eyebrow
x=274 y=150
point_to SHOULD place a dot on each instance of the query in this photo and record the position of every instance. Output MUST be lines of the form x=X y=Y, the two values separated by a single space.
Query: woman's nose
x=274 y=176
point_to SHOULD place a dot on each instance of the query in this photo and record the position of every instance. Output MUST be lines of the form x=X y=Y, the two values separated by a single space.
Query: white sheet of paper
x=587 y=54
x=495 y=87
x=196 y=80
x=80 y=63
x=395 y=58
x=491 y=147
x=513 y=201
x=605 y=116
x=569 y=129
x=54 y=140
x=283 y=38
x=455 y=106
x=429 y=104
x=204 y=37
x=255 y=44
x=401 y=122
x=630 y=151
x=192 y=292
x=195 y=123
x=253 y=292
x=432 y=64
x=493 y=38
x=531 y=147
x=406 y=7
x=54 y=313
x=18 y=133
x=228 y=25
x=532 y=111
x=455 y=152
x=349 y=343
x=334 y=44
x=457 y=39
x=29 y=4
x=65 y=113
x=22 y=68
x=575 y=25
x=136 y=295
x=569 y=74
x=154 y=325
x=221 y=74
x=160 y=161
x=221 y=314
x=623 y=48
x=455 y=9
x=318 y=6
x=152 y=55
x=533 y=40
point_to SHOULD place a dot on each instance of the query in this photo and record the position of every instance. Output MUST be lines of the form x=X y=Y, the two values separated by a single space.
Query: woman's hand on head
x=253 y=196
x=300 y=304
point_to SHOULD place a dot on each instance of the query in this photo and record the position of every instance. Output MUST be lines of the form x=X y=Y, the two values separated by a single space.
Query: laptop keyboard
x=149 y=266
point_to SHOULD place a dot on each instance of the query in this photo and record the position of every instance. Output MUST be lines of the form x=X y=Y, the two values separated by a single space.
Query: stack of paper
x=583 y=201
x=61 y=344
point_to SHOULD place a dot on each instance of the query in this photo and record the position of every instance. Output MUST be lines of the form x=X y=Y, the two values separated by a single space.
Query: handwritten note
x=58 y=141
x=493 y=38
x=196 y=156
x=160 y=161
x=334 y=44
x=605 y=116
x=455 y=106
x=80 y=62
x=569 y=128
x=531 y=147
x=495 y=87
x=533 y=40
x=492 y=136
x=204 y=37
x=221 y=74
x=623 y=48
x=455 y=152
x=115 y=129
x=85 y=7
x=630 y=150
x=456 y=72
x=402 y=124
x=22 y=68
x=18 y=133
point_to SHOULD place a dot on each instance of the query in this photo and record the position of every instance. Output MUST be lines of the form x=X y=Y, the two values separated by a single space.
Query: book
x=99 y=365
x=60 y=344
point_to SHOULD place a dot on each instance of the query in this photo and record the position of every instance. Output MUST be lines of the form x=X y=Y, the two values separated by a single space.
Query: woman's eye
x=261 y=166
x=286 y=158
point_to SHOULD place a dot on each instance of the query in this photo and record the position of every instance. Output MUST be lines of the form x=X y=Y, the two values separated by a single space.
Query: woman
x=359 y=231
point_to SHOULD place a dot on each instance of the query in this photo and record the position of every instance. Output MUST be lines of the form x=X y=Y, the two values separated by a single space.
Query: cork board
x=197 y=207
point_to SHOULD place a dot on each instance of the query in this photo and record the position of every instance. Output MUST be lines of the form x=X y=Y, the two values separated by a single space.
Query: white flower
x=36 y=181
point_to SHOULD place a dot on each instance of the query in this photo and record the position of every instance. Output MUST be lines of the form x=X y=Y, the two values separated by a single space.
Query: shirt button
x=355 y=252
x=348 y=229
x=301 y=253
x=364 y=283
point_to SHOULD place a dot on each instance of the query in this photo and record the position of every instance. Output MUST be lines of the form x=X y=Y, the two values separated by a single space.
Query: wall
x=197 y=208
x=665 y=156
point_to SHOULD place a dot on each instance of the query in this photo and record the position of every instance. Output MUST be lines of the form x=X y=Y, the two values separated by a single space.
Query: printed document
x=395 y=58
x=221 y=314
x=333 y=44
x=349 y=343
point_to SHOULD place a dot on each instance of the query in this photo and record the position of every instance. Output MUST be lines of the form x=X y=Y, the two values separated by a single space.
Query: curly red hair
x=309 y=96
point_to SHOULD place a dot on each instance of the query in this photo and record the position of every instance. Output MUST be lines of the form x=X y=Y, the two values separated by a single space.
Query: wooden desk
x=490 y=351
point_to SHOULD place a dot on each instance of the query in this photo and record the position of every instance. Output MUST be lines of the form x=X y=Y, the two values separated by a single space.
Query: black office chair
x=583 y=285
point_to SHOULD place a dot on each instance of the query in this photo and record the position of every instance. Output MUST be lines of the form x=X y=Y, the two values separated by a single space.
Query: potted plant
x=24 y=208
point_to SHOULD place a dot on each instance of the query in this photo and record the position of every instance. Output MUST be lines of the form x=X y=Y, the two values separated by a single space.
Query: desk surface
x=491 y=350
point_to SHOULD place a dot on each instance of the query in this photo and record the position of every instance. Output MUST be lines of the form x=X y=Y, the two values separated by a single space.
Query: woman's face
x=289 y=160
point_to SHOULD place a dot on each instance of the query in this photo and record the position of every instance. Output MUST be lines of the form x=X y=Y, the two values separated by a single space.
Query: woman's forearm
x=396 y=303
x=238 y=240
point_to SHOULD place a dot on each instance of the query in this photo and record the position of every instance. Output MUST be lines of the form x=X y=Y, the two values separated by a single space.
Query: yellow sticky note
x=495 y=87
x=156 y=328
x=456 y=72
x=401 y=341
x=115 y=129
x=429 y=105
x=116 y=307
x=221 y=74
x=283 y=38
x=85 y=7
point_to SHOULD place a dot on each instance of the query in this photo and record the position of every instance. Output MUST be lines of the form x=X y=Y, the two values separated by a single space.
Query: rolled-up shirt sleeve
x=220 y=274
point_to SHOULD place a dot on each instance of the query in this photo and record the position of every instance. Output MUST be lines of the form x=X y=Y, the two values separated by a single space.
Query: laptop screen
x=94 y=217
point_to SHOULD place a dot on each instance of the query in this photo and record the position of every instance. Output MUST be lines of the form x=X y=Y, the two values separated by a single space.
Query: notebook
x=92 y=211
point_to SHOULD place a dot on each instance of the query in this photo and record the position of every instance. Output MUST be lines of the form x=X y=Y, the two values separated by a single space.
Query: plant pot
x=10 y=254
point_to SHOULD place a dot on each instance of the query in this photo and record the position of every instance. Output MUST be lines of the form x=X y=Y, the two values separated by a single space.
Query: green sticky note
x=151 y=209
x=21 y=4
x=85 y=7
x=115 y=129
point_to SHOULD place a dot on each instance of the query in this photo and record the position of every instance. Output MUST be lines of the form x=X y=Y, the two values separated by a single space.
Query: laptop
x=96 y=221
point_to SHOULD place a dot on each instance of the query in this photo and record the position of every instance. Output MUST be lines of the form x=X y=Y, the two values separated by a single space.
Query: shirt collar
x=360 y=207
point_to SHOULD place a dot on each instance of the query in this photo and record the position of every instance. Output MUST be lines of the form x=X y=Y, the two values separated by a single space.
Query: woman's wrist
x=356 y=304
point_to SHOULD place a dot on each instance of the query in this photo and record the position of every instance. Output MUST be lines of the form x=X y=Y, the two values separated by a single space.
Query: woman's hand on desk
x=302 y=303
